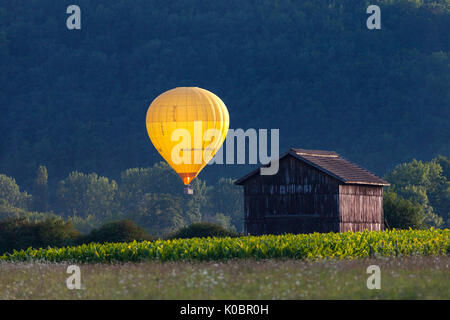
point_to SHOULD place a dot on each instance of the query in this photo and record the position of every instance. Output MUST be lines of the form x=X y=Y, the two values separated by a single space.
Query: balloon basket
x=188 y=190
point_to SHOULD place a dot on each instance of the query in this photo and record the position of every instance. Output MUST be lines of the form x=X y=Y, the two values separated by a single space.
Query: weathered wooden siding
x=361 y=207
x=298 y=199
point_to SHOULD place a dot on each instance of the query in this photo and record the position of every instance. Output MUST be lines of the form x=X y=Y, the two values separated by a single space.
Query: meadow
x=401 y=278
x=414 y=264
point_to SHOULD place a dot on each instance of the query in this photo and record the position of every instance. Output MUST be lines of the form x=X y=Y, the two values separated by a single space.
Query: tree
x=22 y=233
x=159 y=214
x=440 y=200
x=87 y=194
x=116 y=231
x=228 y=199
x=401 y=213
x=424 y=174
x=40 y=190
x=219 y=219
x=444 y=162
x=423 y=183
x=11 y=195
x=202 y=230
x=196 y=203
x=136 y=182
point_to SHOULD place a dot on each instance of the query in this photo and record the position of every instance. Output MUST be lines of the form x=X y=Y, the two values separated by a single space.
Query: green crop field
x=414 y=264
x=346 y=245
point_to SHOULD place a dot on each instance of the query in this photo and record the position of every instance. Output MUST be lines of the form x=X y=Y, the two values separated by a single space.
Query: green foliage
x=137 y=182
x=440 y=198
x=86 y=224
x=83 y=225
x=196 y=202
x=228 y=199
x=117 y=231
x=7 y=211
x=89 y=201
x=40 y=190
x=444 y=162
x=152 y=197
x=159 y=214
x=10 y=193
x=202 y=230
x=22 y=233
x=220 y=219
x=346 y=245
x=427 y=189
x=85 y=194
x=21 y=229
x=401 y=213
x=427 y=175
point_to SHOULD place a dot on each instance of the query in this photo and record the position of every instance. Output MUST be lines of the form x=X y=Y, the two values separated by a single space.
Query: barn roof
x=332 y=164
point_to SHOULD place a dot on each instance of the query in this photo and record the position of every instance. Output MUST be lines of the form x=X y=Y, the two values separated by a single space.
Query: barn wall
x=361 y=207
x=298 y=199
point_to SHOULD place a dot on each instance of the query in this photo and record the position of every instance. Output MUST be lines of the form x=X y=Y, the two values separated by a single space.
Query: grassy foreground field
x=401 y=278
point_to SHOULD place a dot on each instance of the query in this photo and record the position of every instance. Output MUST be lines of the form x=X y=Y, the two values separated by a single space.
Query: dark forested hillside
x=76 y=100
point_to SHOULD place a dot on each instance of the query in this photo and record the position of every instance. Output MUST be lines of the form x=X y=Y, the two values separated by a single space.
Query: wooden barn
x=313 y=191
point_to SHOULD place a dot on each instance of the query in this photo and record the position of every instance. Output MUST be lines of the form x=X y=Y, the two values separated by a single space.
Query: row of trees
x=419 y=197
x=151 y=197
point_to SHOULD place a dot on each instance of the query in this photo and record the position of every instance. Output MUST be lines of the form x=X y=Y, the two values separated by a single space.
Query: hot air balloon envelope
x=187 y=126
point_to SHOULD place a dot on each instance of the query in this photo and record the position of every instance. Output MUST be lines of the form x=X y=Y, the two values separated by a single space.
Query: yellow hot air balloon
x=187 y=126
